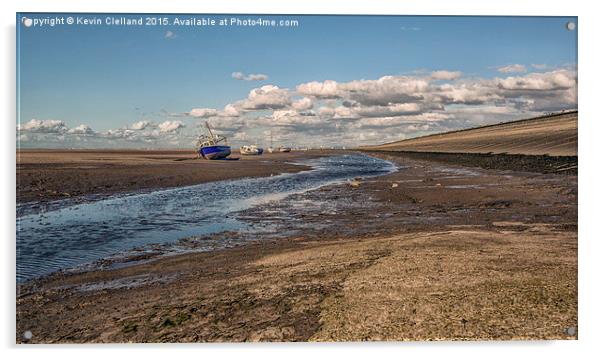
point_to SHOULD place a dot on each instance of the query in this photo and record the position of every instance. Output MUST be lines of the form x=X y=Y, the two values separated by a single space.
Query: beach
x=438 y=250
x=47 y=175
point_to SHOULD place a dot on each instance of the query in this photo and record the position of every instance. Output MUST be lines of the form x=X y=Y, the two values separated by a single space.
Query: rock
x=394 y=185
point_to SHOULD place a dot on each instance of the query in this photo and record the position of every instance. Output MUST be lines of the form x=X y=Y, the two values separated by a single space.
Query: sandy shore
x=434 y=251
x=45 y=175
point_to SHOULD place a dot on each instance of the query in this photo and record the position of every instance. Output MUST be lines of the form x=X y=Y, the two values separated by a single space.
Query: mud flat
x=435 y=251
x=552 y=135
x=45 y=175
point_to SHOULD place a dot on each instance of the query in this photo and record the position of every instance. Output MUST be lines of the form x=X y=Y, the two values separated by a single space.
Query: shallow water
x=68 y=234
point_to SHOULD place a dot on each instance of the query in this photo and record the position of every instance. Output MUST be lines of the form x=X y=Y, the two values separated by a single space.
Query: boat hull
x=251 y=151
x=215 y=152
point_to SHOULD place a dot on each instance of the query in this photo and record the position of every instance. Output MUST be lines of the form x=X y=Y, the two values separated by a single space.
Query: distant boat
x=209 y=147
x=280 y=148
x=251 y=150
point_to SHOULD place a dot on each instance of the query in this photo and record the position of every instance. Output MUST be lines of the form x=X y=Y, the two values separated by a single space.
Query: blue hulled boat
x=214 y=152
x=209 y=146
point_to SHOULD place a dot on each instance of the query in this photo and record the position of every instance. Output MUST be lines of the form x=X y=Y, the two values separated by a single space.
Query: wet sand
x=434 y=251
x=46 y=175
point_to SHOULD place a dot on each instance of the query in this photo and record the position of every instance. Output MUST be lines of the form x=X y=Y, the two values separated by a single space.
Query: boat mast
x=209 y=129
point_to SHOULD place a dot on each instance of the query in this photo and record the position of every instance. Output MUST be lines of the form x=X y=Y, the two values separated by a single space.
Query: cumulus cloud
x=81 y=129
x=267 y=97
x=294 y=120
x=230 y=111
x=121 y=133
x=548 y=81
x=512 y=68
x=473 y=93
x=169 y=126
x=44 y=126
x=382 y=91
x=303 y=104
x=322 y=90
x=357 y=112
x=141 y=125
x=250 y=77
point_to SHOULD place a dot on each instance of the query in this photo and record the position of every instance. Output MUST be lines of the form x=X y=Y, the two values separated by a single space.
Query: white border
x=589 y=127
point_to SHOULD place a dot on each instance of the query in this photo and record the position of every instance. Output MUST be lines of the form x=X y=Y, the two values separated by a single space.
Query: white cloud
x=303 y=104
x=401 y=120
x=390 y=110
x=140 y=125
x=548 y=81
x=539 y=66
x=477 y=92
x=382 y=91
x=240 y=136
x=81 y=129
x=256 y=77
x=230 y=111
x=251 y=77
x=446 y=75
x=267 y=97
x=238 y=75
x=121 y=133
x=203 y=112
x=346 y=113
x=170 y=126
x=512 y=68
x=170 y=35
x=44 y=126
x=326 y=89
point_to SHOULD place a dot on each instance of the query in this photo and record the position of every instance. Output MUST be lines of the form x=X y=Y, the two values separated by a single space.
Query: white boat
x=251 y=150
x=278 y=149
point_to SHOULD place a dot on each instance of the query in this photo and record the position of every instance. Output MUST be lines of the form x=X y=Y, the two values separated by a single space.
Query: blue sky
x=108 y=77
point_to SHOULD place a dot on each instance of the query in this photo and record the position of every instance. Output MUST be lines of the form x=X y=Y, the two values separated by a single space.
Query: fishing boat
x=284 y=149
x=251 y=150
x=209 y=146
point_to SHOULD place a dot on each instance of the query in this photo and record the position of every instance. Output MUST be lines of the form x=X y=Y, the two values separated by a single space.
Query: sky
x=322 y=81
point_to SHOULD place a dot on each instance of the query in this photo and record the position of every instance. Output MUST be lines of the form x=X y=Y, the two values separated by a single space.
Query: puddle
x=68 y=234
